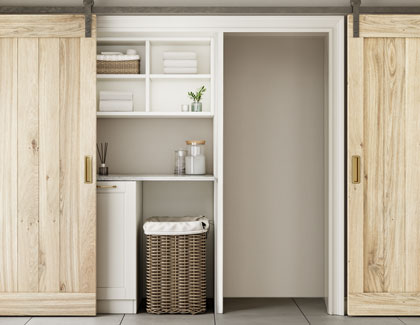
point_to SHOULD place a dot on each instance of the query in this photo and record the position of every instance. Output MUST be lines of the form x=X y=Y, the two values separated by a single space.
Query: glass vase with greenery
x=197 y=106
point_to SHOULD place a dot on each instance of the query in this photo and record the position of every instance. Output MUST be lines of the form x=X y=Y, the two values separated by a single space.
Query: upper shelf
x=154 y=114
x=153 y=40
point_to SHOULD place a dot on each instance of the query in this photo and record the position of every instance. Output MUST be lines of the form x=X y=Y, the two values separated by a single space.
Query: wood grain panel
x=394 y=164
x=384 y=304
x=87 y=213
x=28 y=165
x=8 y=165
x=355 y=146
x=49 y=165
x=390 y=220
x=373 y=166
x=387 y=25
x=52 y=304
x=44 y=26
x=47 y=126
x=412 y=132
x=70 y=166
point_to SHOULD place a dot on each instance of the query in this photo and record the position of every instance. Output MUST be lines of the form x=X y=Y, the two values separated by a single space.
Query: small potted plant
x=197 y=106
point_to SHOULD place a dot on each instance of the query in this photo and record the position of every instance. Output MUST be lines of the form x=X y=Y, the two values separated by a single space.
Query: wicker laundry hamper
x=176 y=265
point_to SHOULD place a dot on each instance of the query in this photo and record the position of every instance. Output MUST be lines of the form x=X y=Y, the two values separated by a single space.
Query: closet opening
x=276 y=123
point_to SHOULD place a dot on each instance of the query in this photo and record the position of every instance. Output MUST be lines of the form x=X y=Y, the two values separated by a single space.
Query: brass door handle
x=355 y=162
x=88 y=170
x=106 y=186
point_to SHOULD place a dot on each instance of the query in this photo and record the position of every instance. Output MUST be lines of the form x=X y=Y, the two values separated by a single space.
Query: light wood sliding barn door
x=47 y=128
x=384 y=166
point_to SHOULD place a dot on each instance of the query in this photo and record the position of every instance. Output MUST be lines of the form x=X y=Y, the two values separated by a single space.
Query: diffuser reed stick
x=102 y=151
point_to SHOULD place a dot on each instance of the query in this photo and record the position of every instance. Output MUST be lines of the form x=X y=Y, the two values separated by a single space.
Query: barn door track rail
x=88 y=9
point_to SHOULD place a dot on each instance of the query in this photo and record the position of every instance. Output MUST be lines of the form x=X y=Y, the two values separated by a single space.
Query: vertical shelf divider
x=212 y=88
x=147 y=64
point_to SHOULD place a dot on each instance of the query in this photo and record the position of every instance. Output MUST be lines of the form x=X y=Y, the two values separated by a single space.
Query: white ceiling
x=239 y=3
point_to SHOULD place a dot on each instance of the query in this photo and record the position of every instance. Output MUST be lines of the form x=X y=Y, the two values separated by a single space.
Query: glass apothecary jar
x=180 y=155
x=195 y=161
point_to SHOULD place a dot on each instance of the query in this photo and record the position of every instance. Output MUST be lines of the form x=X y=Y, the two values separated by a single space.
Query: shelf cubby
x=137 y=87
x=168 y=95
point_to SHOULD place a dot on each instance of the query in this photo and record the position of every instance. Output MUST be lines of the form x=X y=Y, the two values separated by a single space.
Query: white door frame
x=333 y=28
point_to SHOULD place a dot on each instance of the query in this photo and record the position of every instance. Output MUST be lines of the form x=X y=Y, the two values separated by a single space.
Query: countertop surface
x=154 y=177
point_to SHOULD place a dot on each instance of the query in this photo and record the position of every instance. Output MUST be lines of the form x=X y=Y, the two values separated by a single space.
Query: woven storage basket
x=176 y=274
x=118 y=67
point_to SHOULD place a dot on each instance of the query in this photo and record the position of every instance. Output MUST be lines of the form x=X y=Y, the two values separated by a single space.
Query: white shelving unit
x=159 y=95
x=142 y=141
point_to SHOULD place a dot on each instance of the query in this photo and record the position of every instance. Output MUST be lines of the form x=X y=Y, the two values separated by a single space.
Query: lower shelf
x=161 y=177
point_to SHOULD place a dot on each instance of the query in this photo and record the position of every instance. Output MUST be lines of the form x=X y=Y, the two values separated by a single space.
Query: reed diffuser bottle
x=103 y=170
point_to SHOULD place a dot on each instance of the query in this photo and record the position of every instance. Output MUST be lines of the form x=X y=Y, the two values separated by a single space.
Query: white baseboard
x=116 y=306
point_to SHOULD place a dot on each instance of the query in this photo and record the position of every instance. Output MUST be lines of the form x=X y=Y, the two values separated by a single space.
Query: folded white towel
x=180 y=63
x=115 y=95
x=180 y=70
x=116 y=57
x=179 y=55
x=116 y=106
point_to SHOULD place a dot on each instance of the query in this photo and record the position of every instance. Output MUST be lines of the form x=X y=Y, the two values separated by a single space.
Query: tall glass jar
x=195 y=162
x=179 y=168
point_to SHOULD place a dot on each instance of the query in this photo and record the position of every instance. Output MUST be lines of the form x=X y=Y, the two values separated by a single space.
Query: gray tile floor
x=237 y=311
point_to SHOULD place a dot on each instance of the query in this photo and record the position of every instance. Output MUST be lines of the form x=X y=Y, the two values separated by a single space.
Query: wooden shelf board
x=154 y=115
x=156 y=177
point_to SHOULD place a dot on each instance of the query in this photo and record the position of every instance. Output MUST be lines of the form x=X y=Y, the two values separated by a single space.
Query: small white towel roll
x=180 y=63
x=131 y=52
x=179 y=55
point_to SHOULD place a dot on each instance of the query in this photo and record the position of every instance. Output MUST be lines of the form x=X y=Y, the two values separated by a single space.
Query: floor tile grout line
x=301 y=311
x=27 y=322
x=401 y=320
x=122 y=319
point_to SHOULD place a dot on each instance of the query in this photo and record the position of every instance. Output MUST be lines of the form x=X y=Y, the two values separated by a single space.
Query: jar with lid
x=180 y=161
x=195 y=162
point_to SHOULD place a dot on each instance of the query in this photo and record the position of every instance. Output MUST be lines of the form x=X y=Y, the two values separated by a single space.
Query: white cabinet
x=118 y=231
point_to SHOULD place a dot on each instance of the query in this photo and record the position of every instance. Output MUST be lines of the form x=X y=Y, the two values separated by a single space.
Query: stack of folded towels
x=180 y=62
x=115 y=101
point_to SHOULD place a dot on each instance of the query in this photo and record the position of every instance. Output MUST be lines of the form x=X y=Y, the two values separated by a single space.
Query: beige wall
x=274 y=191
x=146 y=146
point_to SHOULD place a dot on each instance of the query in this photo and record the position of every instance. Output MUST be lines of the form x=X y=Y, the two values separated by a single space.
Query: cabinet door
x=47 y=128
x=117 y=233
x=384 y=166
